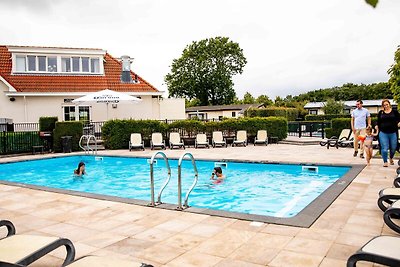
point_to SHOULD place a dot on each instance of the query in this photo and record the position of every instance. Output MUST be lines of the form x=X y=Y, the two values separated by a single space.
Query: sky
x=291 y=46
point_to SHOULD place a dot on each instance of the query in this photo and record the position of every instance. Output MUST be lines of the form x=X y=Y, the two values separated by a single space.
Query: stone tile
x=341 y=252
x=355 y=240
x=254 y=254
x=309 y=246
x=236 y=263
x=154 y=235
x=194 y=259
x=288 y=258
x=318 y=234
x=130 y=246
x=160 y=253
x=103 y=239
x=280 y=230
x=184 y=241
x=203 y=230
x=216 y=247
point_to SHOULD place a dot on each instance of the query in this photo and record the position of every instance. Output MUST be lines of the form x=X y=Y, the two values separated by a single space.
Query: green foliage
x=248 y=99
x=289 y=113
x=372 y=2
x=333 y=107
x=47 y=124
x=204 y=71
x=67 y=128
x=347 y=92
x=116 y=133
x=264 y=99
x=394 y=72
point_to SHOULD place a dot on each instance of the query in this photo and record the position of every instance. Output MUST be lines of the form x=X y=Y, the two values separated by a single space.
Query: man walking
x=359 y=118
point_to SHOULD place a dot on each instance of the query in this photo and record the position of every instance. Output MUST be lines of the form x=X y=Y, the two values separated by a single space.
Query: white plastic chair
x=201 y=140
x=261 y=138
x=136 y=141
x=157 y=141
x=175 y=140
x=218 y=139
x=241 y=138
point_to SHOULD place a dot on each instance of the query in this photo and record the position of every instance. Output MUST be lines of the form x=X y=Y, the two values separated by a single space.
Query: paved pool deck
x=172 y=238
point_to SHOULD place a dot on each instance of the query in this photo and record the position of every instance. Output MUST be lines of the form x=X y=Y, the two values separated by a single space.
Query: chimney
x=126 y=69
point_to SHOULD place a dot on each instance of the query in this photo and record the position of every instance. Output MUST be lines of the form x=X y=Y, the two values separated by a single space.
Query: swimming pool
x=250 y=190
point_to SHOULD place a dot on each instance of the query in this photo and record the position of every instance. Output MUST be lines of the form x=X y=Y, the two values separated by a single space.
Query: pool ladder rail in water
x=153 y=160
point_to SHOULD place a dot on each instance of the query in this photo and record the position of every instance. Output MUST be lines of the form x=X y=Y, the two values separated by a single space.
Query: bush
x=47 y=124
x=68 y=128
x=116 y=133
x=289 y=113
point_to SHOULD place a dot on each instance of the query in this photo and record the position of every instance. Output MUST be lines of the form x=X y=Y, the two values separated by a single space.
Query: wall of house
x=31 y=108
x=172 y=108
x=216 y=114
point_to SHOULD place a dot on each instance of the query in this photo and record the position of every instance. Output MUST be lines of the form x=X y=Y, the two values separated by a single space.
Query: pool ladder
x=154 y=203
x=87 y=148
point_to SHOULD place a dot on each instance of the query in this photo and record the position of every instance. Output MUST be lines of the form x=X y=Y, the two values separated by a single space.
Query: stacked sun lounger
x=384 y=249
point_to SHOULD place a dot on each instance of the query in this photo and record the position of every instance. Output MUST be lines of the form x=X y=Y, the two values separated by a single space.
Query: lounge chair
x=380 y=249
x=201 y=140
x=218 y=139
x=94 y=261
x=136 y=141
x=347 y=143
x=396 y=181
x=393 y=212
x=387 y=196
x=241 y=138
x=25 y=249
x=175 y=140
x=261 y=138
x=344 y=135
x=157 y=141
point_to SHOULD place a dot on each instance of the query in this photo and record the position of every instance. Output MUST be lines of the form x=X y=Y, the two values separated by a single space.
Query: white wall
x=172 y=109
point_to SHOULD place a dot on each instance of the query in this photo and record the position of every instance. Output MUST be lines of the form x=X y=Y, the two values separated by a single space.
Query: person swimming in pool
x=81 y=169
x=217 y=175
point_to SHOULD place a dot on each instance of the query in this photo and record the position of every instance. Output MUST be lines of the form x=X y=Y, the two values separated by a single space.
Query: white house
x=43 y=81
x=219 y=111
x=373 y=106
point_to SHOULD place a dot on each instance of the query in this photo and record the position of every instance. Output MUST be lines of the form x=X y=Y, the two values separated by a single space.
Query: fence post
x=323 y=130
x=311 y=128
x=299 y=129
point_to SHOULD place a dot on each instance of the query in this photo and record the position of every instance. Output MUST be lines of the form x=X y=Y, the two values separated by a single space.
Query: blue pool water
x=277 y=190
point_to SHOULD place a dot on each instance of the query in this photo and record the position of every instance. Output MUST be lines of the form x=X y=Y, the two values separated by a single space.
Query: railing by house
x=19 y=138
x=307 y=129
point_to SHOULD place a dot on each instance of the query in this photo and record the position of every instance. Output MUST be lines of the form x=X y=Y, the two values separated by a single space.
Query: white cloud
x=292 y=46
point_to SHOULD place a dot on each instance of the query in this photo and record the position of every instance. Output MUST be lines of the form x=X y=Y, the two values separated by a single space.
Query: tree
x=372 y=2
x=333 y=107
x=394 y=72
x=204 y=71
x=248 y=98
x=264 y=99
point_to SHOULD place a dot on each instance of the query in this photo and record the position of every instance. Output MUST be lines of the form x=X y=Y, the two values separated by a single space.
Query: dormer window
x=57 y=64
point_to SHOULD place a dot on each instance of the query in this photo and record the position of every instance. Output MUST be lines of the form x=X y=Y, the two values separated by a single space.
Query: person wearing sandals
x=388 y=123
x=359 y=118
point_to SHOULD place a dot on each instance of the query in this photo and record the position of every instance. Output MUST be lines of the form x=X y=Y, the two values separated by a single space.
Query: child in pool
x=81 y=169
x=217 y=175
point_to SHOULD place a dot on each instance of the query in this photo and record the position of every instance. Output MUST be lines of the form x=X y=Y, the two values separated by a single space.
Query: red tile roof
x=38 y=83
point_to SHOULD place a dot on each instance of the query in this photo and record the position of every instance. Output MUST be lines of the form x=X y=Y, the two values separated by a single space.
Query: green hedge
x=68 y=128
x=116 y=133
x=47 y=124
x=290 y=114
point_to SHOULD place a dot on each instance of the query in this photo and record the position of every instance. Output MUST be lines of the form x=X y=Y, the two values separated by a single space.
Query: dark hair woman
x=81 y=169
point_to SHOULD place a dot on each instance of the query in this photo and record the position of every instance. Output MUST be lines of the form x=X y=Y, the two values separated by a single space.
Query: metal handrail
x=152 y=202
x=196 y=177
x=80 y=143
x=95 y=143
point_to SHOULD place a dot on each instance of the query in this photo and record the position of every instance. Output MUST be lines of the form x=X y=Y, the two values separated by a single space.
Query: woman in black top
x=388 y=121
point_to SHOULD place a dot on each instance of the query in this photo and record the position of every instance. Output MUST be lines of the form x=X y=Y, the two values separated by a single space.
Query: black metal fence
x=18 y=138
x=307 y=129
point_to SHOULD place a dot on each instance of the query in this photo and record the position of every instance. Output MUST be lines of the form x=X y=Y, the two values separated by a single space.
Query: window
x=31 y=63
x=21 y=64
x=233 y=114
x=69 y=113
x=85 y=64
x=94 y=65
x=42 y=63
x=75 y=64
x=84 y=113
x=313 y=111
x=66 y=64
x=52 y=64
